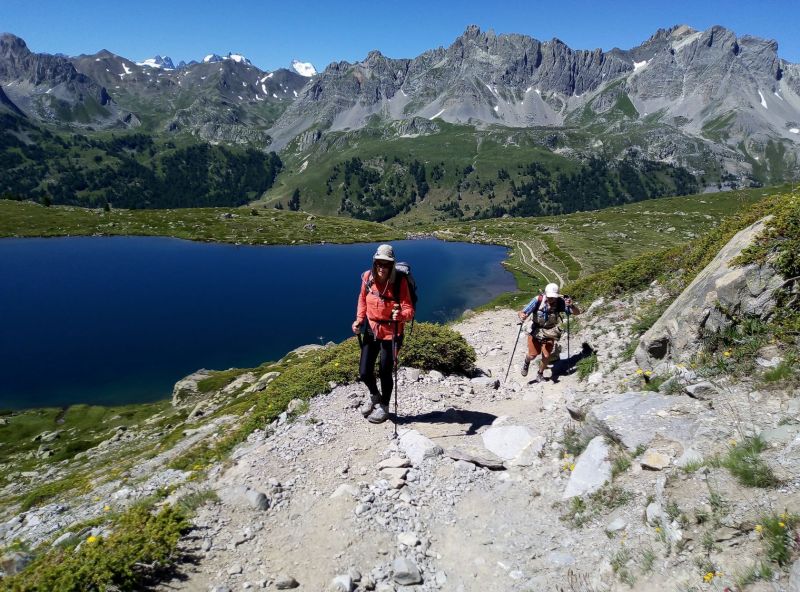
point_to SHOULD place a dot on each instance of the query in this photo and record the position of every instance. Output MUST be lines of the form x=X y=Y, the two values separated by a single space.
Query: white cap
x=385 y=252
x=551 y=291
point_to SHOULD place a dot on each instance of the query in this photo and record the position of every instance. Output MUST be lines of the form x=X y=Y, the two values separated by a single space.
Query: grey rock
x=257 y=500
x=417 y=447
x=506 y=441
x=654 y=460
x=654 y=514
x=616 y=525
x=15 y=562
x=345 y=489
x=220 y=589
x=435 y=376
x=239 y=383
x=412 y=374
x=702 y=390
x=689 y=456
x=636 y=418
x=486 y=381
x=185 y=390
x=560 y=559
x=405 y=571
x=780 y=435
x=592 y=470
x=391 y=473
x=47 y=437
x=440 y=578
x=409 y=539
x=235 y=569
x=476 y=456
x=794 y=577
x=285 y=582
x=341 y=583
x=394 y=462
x=244 y=496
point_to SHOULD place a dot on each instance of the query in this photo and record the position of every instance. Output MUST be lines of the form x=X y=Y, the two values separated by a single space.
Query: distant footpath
x=228 y=225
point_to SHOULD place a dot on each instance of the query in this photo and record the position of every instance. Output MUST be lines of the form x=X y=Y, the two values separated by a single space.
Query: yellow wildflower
x=106 y=508
x=336 y=363
x=782 y=525
x=732 y=442
x=759 y=528
x=783 y=516
x=572 y=466
x=727 y=353
x=708 y=577
x=639 y=371
x=91 y=540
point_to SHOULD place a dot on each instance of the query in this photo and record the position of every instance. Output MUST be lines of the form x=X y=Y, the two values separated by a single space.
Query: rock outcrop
x=719 y=294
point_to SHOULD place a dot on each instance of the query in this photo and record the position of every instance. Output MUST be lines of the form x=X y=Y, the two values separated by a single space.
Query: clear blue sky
x=272 y=33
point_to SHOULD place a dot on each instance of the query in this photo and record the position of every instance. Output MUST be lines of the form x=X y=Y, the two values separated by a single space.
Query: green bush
x=139 y=538
x=435 y=347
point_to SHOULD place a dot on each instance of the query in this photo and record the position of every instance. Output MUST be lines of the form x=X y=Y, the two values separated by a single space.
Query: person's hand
x=396 y=312
x=522 y=316
x=356 y=327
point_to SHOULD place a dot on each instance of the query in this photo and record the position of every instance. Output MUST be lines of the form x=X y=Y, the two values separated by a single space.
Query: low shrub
x=778 y=534
x=436 y=347
x=585 y=366
x=744 y=463
x=140 y=544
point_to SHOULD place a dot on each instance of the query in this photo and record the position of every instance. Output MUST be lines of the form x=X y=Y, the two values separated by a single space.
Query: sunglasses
x=381 y=263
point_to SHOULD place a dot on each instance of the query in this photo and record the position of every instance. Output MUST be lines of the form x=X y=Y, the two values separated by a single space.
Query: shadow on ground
x=475 y=419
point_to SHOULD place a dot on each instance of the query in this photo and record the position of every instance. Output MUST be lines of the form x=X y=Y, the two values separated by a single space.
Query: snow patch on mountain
x=304 y=68
x=158 y=62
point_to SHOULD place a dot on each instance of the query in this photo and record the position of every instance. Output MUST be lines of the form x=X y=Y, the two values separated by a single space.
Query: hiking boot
x=525 y=365
x=379 y=415
x=368 y=405
x=538 y=378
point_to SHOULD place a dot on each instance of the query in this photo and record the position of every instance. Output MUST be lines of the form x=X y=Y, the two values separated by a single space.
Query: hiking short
x=536 y=347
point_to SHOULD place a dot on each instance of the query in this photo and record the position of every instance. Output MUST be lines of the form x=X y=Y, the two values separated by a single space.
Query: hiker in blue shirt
x=545 y=331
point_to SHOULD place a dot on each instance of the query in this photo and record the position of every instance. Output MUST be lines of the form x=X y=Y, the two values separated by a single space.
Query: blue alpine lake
x=114 y=320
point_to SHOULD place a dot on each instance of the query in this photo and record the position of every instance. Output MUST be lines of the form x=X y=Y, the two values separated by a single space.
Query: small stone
x=440 y=578
x=394 y=462
x=409 y=539
x=257 y=500
x=390 y=474
x=345 y=489
x=341 y=583
x=616 y=525
x=406 y=572
x=284 y=582
x=653 y=460
x=235 y=569
x=654 y=514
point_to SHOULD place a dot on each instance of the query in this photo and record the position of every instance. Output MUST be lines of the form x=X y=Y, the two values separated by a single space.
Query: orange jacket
x=375 y=304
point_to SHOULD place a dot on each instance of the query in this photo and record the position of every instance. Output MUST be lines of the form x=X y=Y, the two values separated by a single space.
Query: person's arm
x=406 y=312
x=529 y=308
x=361 y=307
x=571 y=307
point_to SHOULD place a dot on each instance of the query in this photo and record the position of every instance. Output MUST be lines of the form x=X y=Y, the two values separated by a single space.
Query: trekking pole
x=568 y=315
x=516 y=341
x=396 y=385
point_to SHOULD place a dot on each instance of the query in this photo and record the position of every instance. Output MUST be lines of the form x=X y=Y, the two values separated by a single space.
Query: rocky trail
x=478 y=492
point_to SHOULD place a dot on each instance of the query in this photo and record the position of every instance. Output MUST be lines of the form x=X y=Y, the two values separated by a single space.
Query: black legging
x=369 y=353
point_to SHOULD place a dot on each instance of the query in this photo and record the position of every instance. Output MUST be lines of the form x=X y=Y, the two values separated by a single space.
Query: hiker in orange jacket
x=384 y=305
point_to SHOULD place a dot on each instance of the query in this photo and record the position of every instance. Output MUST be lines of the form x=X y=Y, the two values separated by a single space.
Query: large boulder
x=637 y=418
x=185 y=392
x=718 y=294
